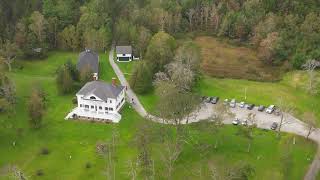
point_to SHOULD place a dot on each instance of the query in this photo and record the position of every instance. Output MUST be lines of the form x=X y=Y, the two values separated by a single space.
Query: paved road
x=206 y=111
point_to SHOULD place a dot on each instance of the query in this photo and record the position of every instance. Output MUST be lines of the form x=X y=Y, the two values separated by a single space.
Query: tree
x=285 y=110
x=241 y=171
x=143 y=141
x=247 y=131
x=141 y=78
x=9 y=51
x=310 y=122
x=160 y=51
x=181 y=75
x=86 y=74
x=143 y=40
x=170 y=154
x=7 y=93
x=310 y=66
x=38 y=25
x=69 y=39
x=175 y=106
x=64 y=80
x=36 y=108
x=267 y=47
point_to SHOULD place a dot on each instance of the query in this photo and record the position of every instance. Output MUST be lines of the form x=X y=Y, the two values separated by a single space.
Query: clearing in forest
x=220 y=59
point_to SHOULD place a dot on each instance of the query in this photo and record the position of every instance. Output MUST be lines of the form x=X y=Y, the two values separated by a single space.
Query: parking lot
x=263 y=119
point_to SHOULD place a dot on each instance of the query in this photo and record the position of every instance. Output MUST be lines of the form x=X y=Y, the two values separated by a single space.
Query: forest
x=281 y=31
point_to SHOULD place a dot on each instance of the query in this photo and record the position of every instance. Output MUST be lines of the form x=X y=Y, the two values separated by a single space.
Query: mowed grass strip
x=220 y=59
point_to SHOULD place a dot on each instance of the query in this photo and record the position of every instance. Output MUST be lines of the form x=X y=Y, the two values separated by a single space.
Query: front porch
x=78 y=113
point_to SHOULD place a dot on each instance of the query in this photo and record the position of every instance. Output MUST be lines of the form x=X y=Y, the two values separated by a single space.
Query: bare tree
x=247 y=131
x=8 y=52
x=310 y=122
x=170 y=154
x=284 y=110
x=110 y=155
x=310 y=66
x=132 y=169
x=190 y=14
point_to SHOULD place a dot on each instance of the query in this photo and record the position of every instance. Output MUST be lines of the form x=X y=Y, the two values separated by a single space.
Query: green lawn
x=290 y=89
x=77 y=140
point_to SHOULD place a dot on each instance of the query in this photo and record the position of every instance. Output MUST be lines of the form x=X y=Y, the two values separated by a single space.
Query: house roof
x=101 y=89
x=123 y=49
x=88 y=58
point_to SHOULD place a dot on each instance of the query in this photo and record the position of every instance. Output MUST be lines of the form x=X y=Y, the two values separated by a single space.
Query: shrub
x=298 y=60
x=44 y=151
x=39 y=172
x=88 y=165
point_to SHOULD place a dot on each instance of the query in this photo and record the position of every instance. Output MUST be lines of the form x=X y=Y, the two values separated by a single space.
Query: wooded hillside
x=279 y=30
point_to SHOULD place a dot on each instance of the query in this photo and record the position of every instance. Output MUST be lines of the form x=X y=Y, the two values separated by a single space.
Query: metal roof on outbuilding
x=123 y=49
x=88 y=58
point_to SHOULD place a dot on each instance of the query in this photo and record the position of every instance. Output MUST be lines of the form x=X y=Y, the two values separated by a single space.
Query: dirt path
x=264 y=120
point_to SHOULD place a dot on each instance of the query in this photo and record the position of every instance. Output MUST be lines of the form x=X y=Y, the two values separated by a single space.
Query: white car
x=270 y=109
x=233 y=103
x=242 y=104
x=236 y=121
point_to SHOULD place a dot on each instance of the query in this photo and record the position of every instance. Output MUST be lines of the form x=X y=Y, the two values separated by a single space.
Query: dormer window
x=123 y=54
x=92 y=97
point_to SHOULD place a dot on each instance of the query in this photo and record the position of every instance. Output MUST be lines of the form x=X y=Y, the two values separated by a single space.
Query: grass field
x=220 y=59
x=72 y=144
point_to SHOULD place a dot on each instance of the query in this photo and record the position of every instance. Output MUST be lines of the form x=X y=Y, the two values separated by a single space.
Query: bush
x=88 y=165
x=141 y=79
x=39 y=172
x=44 y=151
x=298 y=60
x=74 y=100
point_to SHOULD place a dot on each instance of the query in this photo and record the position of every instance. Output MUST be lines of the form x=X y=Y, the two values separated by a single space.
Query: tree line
x=279 y=30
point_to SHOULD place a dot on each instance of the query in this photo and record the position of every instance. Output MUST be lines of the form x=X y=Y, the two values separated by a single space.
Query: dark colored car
x=250 y=106
x=214 y=100
x=261 y=108
x=274 y=126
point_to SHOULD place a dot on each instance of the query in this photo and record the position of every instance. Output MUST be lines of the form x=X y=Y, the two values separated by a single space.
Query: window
x=100 y=107
x=106 y=108
x=123 y=54
x=110 y=109
x=80 y=105
x=92 y=97
x=92 y=107
x=86 y=106
x=110 y=101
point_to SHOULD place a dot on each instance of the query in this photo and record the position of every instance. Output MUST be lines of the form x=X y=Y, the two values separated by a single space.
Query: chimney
x=114 y=81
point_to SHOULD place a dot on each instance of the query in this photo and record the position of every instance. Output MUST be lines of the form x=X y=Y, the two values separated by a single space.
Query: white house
x=124 y=53
x=89 y=59
x=99 y=101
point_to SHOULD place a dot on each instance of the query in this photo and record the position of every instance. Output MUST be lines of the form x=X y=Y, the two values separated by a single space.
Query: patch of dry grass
x=220 y=59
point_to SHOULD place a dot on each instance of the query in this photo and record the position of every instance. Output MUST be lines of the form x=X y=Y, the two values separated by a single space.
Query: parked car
x=204 y=98
x=270 y=109
x=274 y=126
x=214 y=100
x=233 y=103
x=261 y=108
x=242 y=104
x=207 y=99
x=244 y=122
x=226 y=102
x=236 y=121
x=250 y=106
